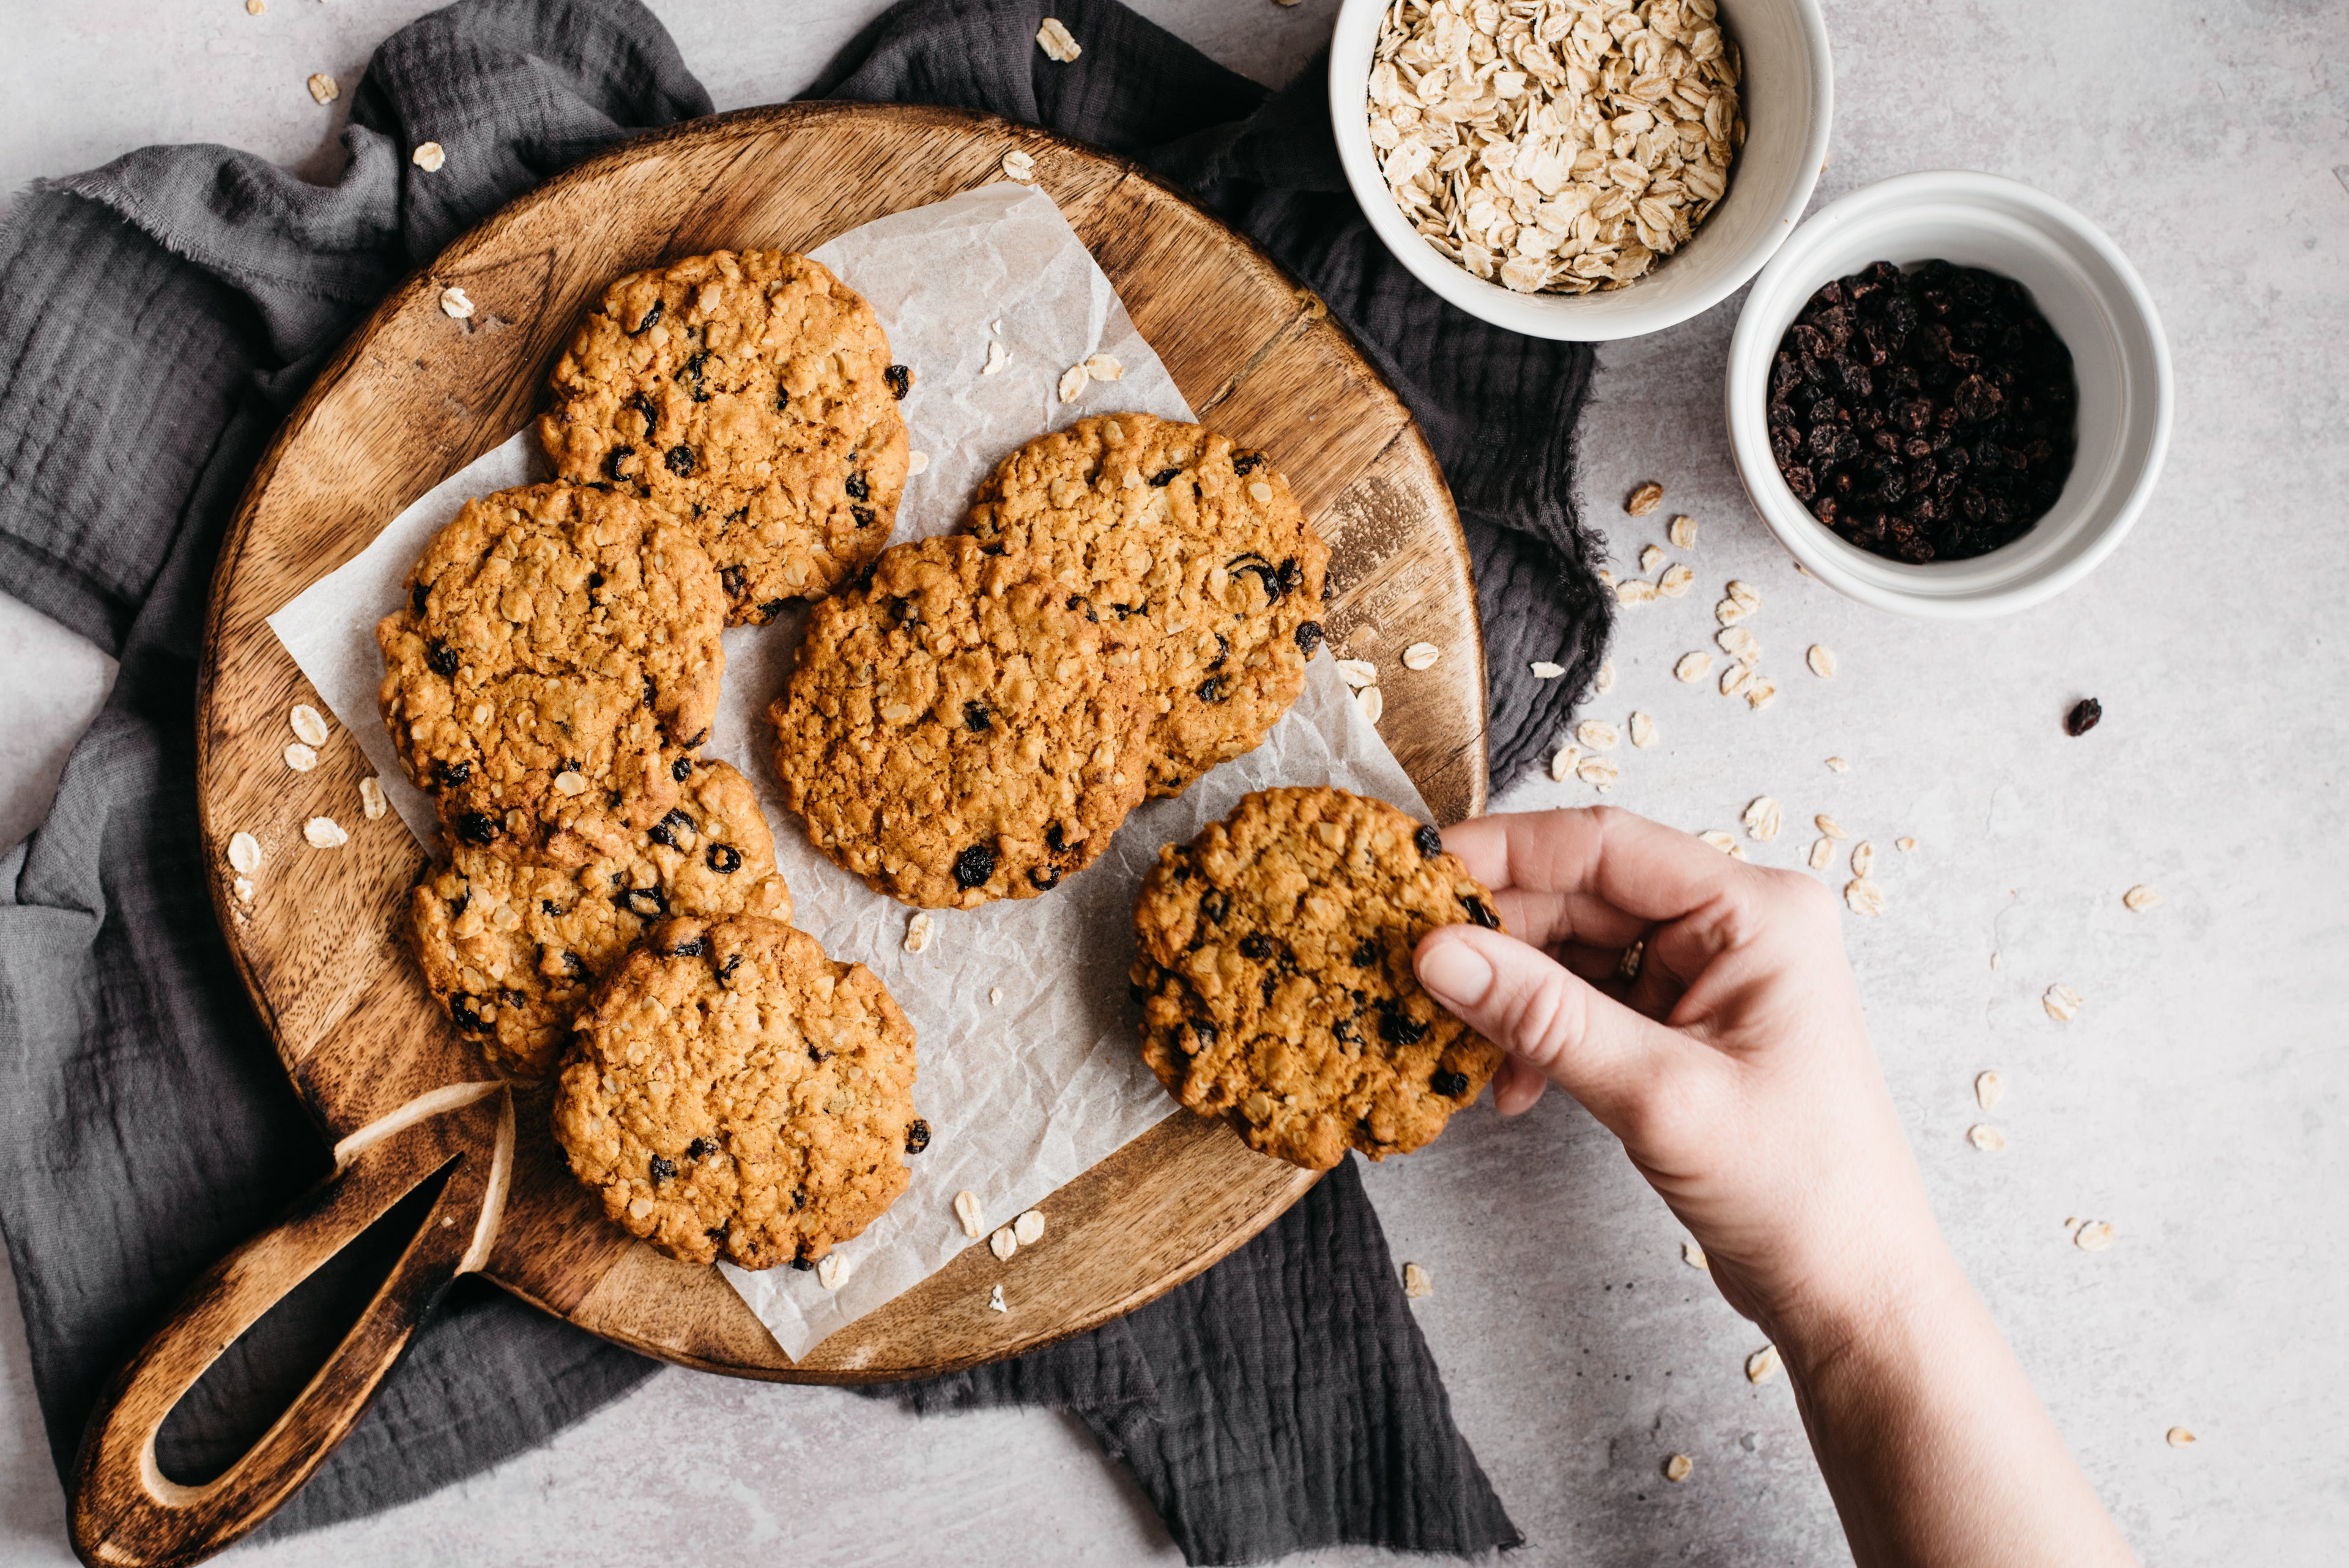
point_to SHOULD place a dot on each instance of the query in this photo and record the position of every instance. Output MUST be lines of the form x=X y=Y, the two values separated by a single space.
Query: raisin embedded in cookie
x=954 y=732
x=1197 y=551
x=750 y=395
x=510 y=948
x=555 y=652
x=733 y=1092
x=1273 y=965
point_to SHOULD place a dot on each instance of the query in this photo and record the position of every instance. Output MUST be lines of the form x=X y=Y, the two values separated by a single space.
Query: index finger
x=1594 y=856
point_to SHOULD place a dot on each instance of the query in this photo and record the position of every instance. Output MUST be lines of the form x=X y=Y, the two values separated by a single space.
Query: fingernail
x=1456 y=972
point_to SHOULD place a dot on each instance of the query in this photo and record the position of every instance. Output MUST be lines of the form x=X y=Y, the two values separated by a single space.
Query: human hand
x=1735 y=1065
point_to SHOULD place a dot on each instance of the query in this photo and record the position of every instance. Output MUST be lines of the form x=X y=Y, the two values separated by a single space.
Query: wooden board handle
x=126 y=1511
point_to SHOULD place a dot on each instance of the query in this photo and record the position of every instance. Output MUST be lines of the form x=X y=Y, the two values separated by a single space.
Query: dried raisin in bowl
x=1788 y=99
x=2089 y=293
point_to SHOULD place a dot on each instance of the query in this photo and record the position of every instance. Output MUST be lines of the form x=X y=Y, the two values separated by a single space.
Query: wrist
x=1887 y=1313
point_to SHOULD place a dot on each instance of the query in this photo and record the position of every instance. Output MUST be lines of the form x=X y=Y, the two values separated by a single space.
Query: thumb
x=1591 y=1046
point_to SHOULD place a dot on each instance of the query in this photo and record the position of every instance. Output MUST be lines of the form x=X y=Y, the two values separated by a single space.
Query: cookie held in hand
x=733 y=1092
x=1273 y=963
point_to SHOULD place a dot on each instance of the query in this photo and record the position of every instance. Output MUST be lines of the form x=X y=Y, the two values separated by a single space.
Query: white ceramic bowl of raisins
x=2076 y=278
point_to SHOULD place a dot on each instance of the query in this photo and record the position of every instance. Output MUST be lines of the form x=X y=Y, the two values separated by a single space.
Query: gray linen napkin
x=160 y=313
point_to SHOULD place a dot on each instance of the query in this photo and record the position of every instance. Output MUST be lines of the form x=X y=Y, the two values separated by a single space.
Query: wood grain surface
x=414 y=395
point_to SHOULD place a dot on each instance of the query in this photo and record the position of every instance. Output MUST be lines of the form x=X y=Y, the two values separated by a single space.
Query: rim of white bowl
x=1556 y=316
x=2003 y=580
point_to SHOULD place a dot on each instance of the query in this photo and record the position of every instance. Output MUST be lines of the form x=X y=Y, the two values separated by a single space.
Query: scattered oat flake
x=456 y=304
x=324 y=833
x=243 y=888
x=323 y=88
x=1822 y=660
x=1863 y=858
x=1597 y=734
x=997 y=357
x=1652 y=558
x=245 y=853
x=1865 y=895
x=2141 y=898
x=1744 y=593
x=571 y=782
x=1678 y=1466
x=1904 y=843
x=1693 y=1255
x=1729 y=611
x=2094 y=1236
x=1018 y=165
x=1003 y=1243
x=915 y=462
x=1829 y=825
x=967 y=1210
x=1838 y=764
x=1416 y=1285
x=1359 y=673
x=1054 y=39
x=1739 y=644
x=1763 y=818
x=1635 y=591
x=1761 y=692
x=917 y=930
x=1604 y=681
x=1072 y=383
x=1693 y=667
x=429 y=156
x=1725 y=842
x=995 y=996
x=1735 y=678
x=1986 y=1137
x=1374 y=703
x=1821 y=853
x=1543 y=670
x=2062 y=1003
x=1420 y=655
x=831 y=1270
x=1684 y=533
x=1598 y=771
x=1643 y=730
x=1989 y=1088
x=309 y=724
x=1607 y=577
x=1561 y=767
x=1676 y=581
x=1762 y=1365
x=300 y=758
x=1029 y=1228
x=255 y=7
x=2179 y=1438
x=1644 y=500
x=995 y=1302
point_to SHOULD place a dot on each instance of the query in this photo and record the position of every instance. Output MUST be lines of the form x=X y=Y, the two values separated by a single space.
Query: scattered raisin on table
x=2083 y=717
x=1926 y=415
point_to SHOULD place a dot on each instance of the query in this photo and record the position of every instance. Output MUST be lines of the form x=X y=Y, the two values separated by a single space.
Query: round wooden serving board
x=415 y=395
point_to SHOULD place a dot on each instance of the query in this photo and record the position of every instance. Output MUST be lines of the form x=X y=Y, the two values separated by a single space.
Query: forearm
x=1934 y=1445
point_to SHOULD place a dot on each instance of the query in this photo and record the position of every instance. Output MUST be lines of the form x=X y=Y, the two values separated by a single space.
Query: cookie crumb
x=1762 y=1365
x=309 y=724
x=1677 y=1467
x=2062 y=1003
x=324 y=833
x=1003 y=1243
x=1018 y=165
x=429 y=156
x=1420 y=655
x=300 y=758
x=967 y=1210
x=1644 y=500
x=245 y=853
x=1989 y=1088
x=1054 y=38
x=456 y=304
x=918 y=927
x=1986 y=1137
x=1693 y=1255
x=1543 y=670
x=831 y=1270
x=2141 y=898
x=1029 y=1228
x=1416 y=1284
x=323 y=88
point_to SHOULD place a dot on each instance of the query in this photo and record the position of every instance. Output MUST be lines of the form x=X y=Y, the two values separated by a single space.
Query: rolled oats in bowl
x=1554 y=146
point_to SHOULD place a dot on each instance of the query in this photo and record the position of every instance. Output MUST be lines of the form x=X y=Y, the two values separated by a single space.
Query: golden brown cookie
x=1273 y=965
x=1198 y=554
x=556 y=652
x=954 y=732
x=734 y=1092
x=511 y=948
x=750 y=395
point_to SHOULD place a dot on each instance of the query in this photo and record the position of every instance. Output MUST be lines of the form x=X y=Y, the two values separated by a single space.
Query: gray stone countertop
x=2199 y=1101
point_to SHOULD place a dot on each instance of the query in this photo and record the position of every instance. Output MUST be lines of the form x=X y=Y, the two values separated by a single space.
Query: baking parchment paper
x=1029 y=1068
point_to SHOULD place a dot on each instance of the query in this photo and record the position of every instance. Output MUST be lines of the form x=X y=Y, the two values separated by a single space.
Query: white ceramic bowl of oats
x=1773 y=55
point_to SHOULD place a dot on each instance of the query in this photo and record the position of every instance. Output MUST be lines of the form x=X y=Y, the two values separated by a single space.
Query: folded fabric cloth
x=160 y=315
